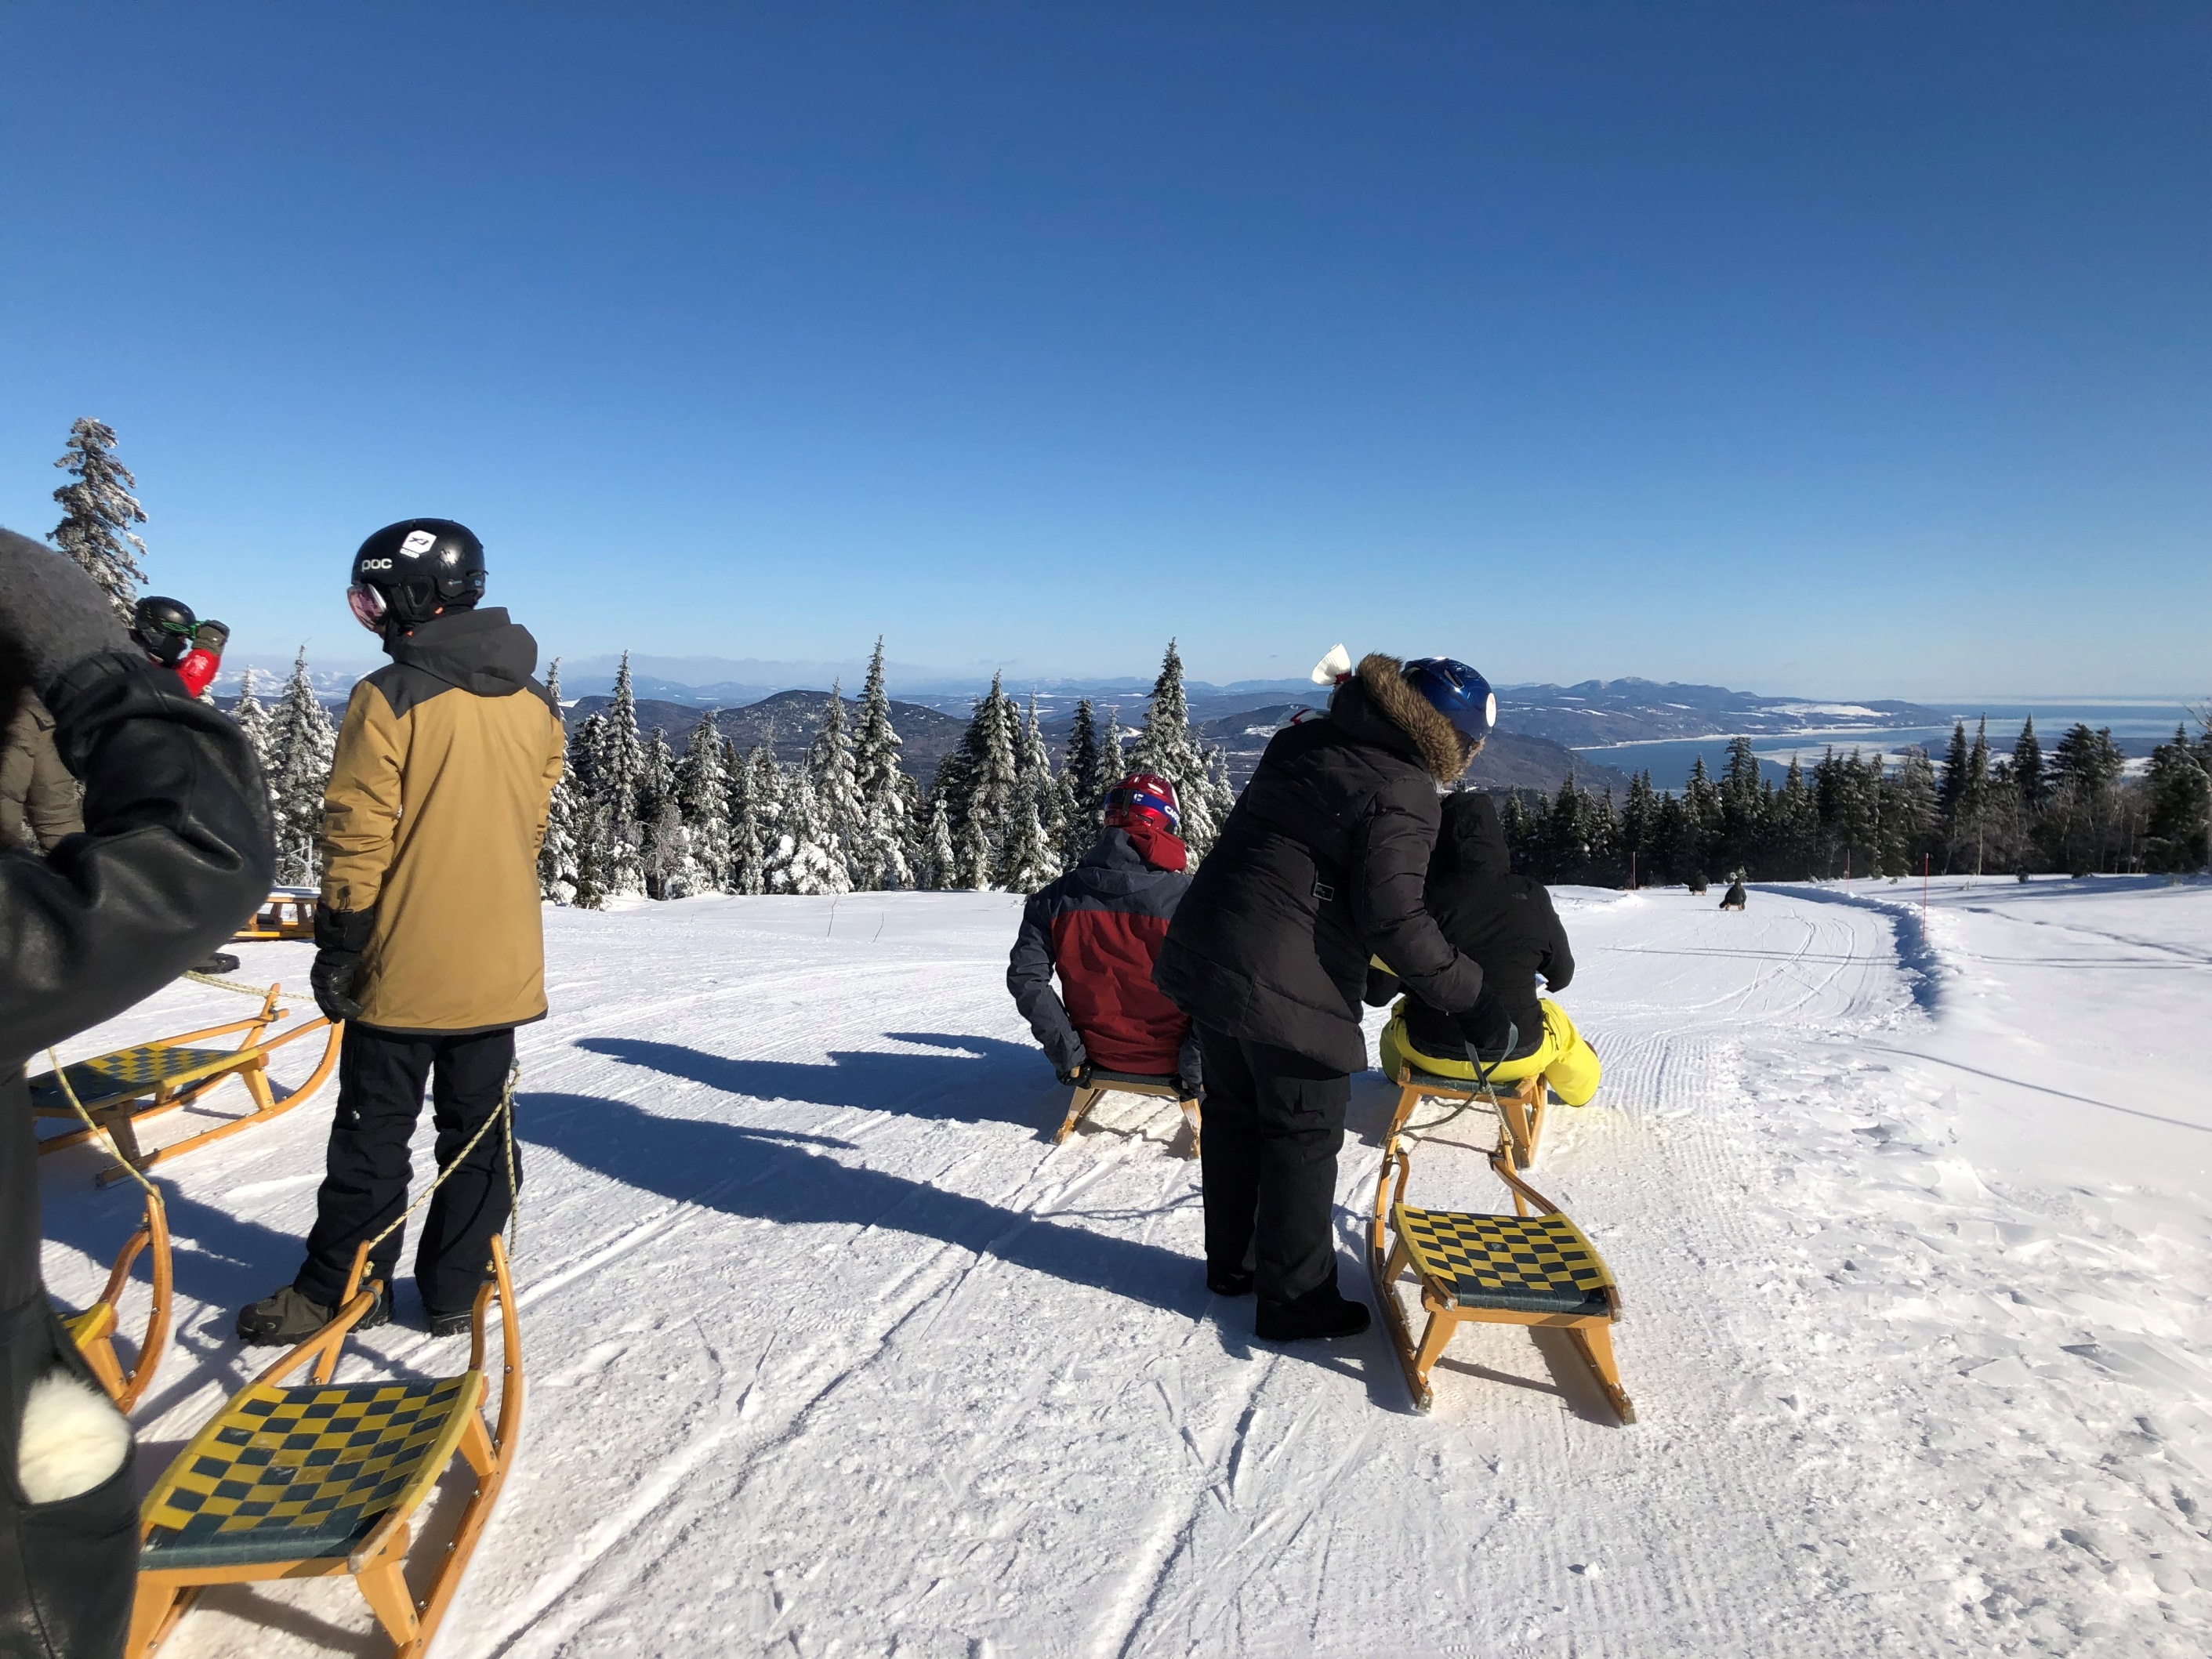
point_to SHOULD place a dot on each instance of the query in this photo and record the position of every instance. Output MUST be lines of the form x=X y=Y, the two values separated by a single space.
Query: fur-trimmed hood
x=1380 y=681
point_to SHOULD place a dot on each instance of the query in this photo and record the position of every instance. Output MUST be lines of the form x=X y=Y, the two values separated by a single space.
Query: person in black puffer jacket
x=1319 y=868
x=1507 y=924
x=176 y=852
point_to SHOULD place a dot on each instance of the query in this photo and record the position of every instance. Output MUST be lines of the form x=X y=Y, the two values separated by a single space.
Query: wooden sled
x=94 y=1330
x=120 y=1091
x=1532 y=1268
x=1103 y=1083
x=287 y=913
x=1520 y=1106
x=314 y=1480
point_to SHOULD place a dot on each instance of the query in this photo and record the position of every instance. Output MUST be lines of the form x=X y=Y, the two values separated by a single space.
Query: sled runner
x=124 y=1089
x=287 y=913
x=1102 y=1083
x=1520 y=1269
x=94 y=1330
x=314 y=1479
x=1520 y=1106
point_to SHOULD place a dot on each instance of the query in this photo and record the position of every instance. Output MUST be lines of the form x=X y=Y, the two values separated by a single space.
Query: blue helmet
x=1457 y=692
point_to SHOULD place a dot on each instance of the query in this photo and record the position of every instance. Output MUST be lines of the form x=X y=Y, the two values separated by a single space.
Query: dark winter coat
x=177 y=855
x=1506 y=922
x=1100 y=927
x=431 y=825
x=1319 y=867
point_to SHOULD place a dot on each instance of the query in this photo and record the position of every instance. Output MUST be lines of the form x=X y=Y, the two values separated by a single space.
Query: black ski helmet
x=407 y=571
x=163 y=629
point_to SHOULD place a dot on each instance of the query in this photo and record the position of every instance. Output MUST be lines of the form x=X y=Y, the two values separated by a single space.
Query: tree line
x=2073 y=810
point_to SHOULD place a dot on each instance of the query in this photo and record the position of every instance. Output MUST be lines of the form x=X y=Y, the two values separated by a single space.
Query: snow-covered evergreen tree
x=252 y=720
x=303 y=742
x=752 y=815
x=1081 y=788
x=618 y=771
x=878 y=856
x=1029 y=857
x=837 y=804
x=803 y=860
x=1167 y=746
x=663 y=848
x=98 y=510
x=702 y=791
x=937 y=865
x=1113 y=763
x=558 y=851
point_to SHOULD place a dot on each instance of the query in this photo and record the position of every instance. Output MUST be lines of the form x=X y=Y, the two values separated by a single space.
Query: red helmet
x=1144 y=795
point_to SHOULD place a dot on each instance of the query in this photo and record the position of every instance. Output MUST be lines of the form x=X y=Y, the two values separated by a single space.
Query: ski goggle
x=368 y=606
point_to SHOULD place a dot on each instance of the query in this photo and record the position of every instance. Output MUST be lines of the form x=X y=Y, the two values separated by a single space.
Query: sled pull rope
x=69 y=1092
x=504 y=1112
x=243 y=990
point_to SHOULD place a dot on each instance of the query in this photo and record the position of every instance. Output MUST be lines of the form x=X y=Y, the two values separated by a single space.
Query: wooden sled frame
x=377 y=1561
x=271 y=920
x=1103 y=1083
x=119 y=1105
x=1446 y=1303
x=94 y=1330
x=1520 y=1106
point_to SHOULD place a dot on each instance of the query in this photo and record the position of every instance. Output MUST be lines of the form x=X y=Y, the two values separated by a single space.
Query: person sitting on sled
x=1506 y=922
x=1099 y=926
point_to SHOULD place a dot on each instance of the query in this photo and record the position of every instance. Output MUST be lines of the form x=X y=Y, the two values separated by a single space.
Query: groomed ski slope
x=832 y=1352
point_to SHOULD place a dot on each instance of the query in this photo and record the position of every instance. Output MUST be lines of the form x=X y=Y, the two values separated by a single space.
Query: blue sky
x=1846 y=349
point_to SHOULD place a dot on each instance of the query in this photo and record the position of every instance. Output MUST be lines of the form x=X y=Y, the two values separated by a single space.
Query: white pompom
x=73 y=1439
x=1332 y=667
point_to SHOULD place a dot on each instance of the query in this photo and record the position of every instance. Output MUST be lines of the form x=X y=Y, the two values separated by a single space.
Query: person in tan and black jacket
x=429 y=944
x=36 y=790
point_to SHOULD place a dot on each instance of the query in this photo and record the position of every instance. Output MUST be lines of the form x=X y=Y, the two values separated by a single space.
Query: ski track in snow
x=831 y=1349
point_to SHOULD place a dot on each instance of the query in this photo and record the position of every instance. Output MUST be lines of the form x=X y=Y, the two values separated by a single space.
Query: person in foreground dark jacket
x=1100 y=927
x=1506 y=923
x=1319 y=867
x=176 y=852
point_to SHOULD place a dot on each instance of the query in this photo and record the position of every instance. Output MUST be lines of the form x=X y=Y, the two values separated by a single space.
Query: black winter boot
x=288 y=1318
x=1320 y=1313
x=1229 y=1281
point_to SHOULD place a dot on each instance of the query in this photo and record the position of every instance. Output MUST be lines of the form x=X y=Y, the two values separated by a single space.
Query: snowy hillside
x=832 y=1352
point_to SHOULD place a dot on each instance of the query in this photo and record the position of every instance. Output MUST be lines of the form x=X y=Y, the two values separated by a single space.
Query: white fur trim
x=73 y=1439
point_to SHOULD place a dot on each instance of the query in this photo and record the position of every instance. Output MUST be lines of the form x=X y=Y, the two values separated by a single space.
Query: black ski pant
x=380 y=1078
x=1274 y=1123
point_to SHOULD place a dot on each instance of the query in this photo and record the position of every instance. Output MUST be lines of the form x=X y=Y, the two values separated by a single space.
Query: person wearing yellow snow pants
x=1506 y=924
x=1566 y=1060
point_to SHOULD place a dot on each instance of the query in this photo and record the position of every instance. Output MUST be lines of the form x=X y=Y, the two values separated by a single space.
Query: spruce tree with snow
x=750 y=814
x=617 y=778
x=666 y=856
x=1029 y=857
x=98 y=510
x=702 y=791
x=1167 y=747
x=1082 y=790
x=1113 y=763
x=253 y=721
x=2027 y=767
x=804 y=860
x=557 y=852
x=304 y=742
x=878 y=856
x=937 y=865
x=828 y=768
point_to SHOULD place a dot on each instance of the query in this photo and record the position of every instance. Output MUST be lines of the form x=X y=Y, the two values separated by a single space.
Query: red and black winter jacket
x=1100 y=927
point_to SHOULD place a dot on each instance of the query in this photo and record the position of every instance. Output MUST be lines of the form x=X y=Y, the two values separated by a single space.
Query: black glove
x=211 y=636
x=1078 y=1078
x=1490 y=1031
x=340 y=937
x=53 y=614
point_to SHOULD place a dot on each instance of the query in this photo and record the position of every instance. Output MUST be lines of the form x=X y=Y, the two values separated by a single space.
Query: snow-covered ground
x=833 y=1351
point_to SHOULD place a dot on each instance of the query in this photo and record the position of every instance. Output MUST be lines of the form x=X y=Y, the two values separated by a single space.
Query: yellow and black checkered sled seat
x=304 y=1473
x=1540 y=1263
x=128 y=1072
